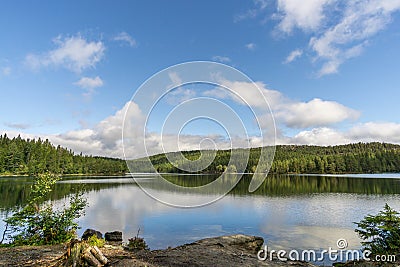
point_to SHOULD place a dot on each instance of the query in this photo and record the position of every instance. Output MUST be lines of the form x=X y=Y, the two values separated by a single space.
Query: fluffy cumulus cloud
x=315 y=112
x=363 y=132
x=319 y=136
x=291 y=113
x=375 y=131
x=122 y=134
x=89 y=84
x=306 y=15
x=105 y=138
x=74 y=53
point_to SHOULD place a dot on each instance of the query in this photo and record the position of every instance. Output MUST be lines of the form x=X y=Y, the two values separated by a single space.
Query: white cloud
x=105 y=138
x=89 y=84
x=376 y=131
x=293 y=56
x=294 y=114
x=244 y=92
x=319 y=136
x=6 y=71
x=260 y=5
x=250 y=46
x=340 y=30
x=349 y=36
x=126 y=38
x=178 y=94
x=388 y=132
x=306 y=15
x=221 y=59
x=175 y=79
x=313 y=113
x=74 y=53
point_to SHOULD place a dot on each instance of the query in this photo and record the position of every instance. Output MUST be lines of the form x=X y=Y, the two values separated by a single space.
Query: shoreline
x=67 y=175
x=233 y=250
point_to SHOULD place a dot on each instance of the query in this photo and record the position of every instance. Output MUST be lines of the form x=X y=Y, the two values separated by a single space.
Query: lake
x=288 y=211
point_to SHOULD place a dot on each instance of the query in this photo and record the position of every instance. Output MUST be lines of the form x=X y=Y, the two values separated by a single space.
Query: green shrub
x=137 y=243
x=95 y=241
x=381 y=232
x=38 y=223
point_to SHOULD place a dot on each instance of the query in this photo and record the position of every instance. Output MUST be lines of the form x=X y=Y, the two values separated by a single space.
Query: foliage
x=137 y=243
x=381 y=232
x=30 y=157
x=352 y=158
x=38 y=222
x=95 y=241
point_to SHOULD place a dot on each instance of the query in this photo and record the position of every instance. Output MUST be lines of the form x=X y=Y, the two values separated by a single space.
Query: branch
x=4 y=234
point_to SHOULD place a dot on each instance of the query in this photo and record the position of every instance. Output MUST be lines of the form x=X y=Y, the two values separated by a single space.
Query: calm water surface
x=289 y=212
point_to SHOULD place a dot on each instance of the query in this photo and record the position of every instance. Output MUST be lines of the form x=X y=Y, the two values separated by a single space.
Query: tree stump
x=80 y=253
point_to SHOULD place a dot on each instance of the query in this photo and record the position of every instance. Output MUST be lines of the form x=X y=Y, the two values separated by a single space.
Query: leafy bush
x=381 y=232
x=38 y=223
x=136 y=243
x=95 y=241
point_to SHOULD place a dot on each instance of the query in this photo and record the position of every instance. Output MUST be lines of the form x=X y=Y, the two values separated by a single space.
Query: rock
x=234 y=251
x=240 y=242
x=115 y=236
x=90 y=232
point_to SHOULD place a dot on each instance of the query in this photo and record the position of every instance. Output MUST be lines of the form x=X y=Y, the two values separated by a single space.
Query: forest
x=30 y=157
x=352 y=158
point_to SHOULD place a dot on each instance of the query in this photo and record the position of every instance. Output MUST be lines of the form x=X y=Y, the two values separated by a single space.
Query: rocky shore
x=233 y=250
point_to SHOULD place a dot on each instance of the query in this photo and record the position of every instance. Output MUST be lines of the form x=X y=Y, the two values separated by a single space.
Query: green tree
x=381 y=232
x=38 y=222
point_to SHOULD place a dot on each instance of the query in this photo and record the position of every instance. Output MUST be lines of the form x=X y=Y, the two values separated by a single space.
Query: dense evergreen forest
x=352 y=158
x=29 y=157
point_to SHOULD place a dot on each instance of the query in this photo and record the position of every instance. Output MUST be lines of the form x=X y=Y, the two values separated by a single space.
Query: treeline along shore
x=352 y=158
x=20 y=156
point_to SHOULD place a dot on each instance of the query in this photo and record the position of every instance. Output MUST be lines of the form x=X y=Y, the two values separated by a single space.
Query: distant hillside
x=28 y=157
x=352 y=158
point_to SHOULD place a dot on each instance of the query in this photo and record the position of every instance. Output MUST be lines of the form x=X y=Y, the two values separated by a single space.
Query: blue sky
x=69 y=68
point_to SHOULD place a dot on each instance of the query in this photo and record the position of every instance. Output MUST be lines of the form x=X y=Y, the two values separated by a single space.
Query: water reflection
x=301 y=212
x=283 y=185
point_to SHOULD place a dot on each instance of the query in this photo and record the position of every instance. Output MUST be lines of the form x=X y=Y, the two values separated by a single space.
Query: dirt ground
x=234 y=251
